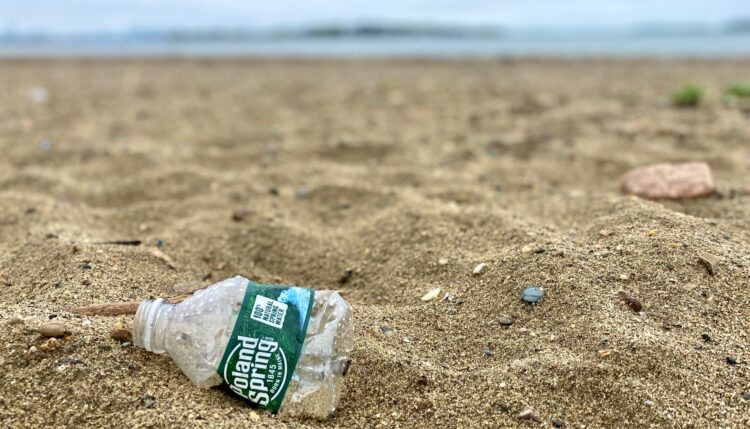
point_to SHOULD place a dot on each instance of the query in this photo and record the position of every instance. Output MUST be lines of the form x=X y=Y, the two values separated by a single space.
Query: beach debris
x=708 y=261
x=118 y=308
x=120 y=333
x=159 y=243
x=606 y=232
x=121 y=242
x=51 y=344
x=240 y=215
x=158 y=254
x=53 y=330
x=15 y=320
x=39 y=95
x=707 y=338
x=670 y=181
x=479 y=269
x=429 y=296
x=45 y=145
x=731 y=360
x=529 y=414
x=443 y=261
x=385 y=329
x=447 y=297
x=631 y=302
x=532 y=294
x=746 y=396
x=558 y=423
x=487 y=352
x=605 y=353
x=346 y=276
x=34 y=354
x=148 y=401
x=302 y=193
x=648 y=403
x=507 y=320
x=533 y=248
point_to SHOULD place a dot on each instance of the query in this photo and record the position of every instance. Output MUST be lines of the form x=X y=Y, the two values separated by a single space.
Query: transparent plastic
x=195 y=333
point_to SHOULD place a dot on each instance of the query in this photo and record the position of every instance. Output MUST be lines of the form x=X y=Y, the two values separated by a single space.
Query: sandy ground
x=410 y=173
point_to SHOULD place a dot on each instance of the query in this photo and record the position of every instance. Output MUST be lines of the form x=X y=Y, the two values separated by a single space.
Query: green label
x=266 y=343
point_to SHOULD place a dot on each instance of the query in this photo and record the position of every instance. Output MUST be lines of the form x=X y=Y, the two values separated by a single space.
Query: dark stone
x=346 y=276
x=558 y=423
x=731 y=360
x=706 y=338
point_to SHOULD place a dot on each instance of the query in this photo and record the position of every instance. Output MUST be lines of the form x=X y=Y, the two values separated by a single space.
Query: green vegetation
x=740 y=90
x=688 y=96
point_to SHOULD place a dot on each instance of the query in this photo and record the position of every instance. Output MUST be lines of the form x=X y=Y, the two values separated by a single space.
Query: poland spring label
x=266 y=343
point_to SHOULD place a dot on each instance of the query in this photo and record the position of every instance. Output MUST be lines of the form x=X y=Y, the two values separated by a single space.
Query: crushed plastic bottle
x=197 y=332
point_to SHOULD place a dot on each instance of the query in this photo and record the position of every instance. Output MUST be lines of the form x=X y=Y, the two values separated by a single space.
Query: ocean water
x=700 y=45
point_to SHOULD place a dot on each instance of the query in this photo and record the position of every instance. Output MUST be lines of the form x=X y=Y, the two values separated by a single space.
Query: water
x=698 y=45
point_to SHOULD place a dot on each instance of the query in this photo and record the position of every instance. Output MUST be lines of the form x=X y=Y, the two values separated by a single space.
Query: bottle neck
x=150 y=324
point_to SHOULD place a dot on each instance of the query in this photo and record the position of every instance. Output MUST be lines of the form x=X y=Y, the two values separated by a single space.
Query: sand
x=410 y=173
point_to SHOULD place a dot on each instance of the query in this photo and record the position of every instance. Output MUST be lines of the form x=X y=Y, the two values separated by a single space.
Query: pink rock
x=670 y=181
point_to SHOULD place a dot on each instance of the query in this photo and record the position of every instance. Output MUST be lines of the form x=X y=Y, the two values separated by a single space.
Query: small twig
x=121 y=242
x=158 y=254
x=118 y=308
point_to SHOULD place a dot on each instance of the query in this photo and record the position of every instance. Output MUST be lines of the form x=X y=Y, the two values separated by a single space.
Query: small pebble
x=479 y=269
x=709 y=262
x=605 y=353
x=605 y=232
x=45 y=145
x=532 y=294
x=487 y=352
x=346 y=276
x=670 y=181
x=240 y=215
x=507 y=320
x=148 y=401
x=121 y=334
x=631 y=302
x=53 y=330
x=529 y=414
x=706 y=338
x=731 y=360
x=51 y=344
x=746 y=396
x=558 y=423
x=429 y=296
x=443 y=261
x=648 y=403
x=385 y=329
x=302 y=193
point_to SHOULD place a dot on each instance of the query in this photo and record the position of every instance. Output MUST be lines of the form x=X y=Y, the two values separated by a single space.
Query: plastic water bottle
x=283 y=348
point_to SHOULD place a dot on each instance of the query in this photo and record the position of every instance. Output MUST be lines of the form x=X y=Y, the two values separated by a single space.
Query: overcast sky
x=74 y=16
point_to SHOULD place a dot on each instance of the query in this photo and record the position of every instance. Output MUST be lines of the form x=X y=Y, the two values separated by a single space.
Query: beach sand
x=410 y=173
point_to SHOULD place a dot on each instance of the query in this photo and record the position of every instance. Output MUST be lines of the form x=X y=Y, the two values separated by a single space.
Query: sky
x=86 y=16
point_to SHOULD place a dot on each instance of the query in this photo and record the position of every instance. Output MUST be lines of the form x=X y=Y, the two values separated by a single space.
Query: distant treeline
x=740 y=25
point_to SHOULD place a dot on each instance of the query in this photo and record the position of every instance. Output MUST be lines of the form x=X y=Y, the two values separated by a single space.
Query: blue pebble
x=45 y=145
x=159 y=242
x=532 y=294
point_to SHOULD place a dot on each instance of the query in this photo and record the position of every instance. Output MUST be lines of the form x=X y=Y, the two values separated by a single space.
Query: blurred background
x=443 y=28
